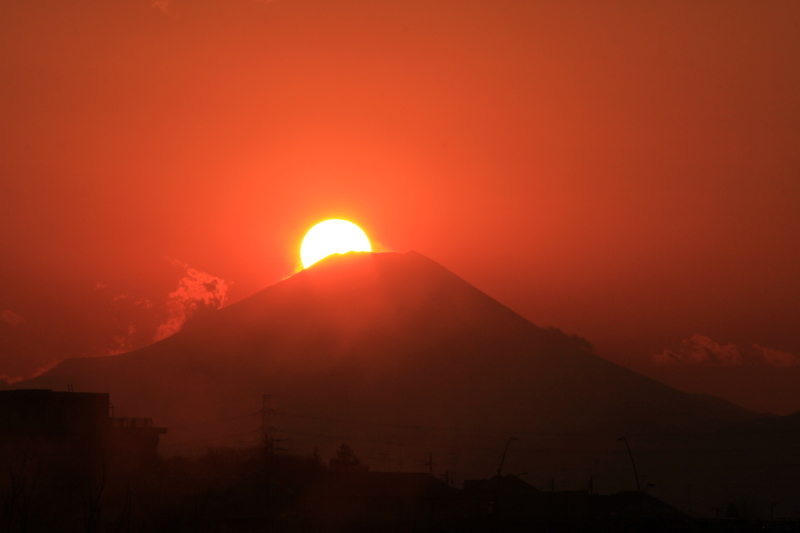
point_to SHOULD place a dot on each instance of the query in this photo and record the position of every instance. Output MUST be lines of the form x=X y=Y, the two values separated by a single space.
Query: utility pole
x=429 y=463
x=635 y=474
x=266 y=429
x=454 y=457
x=690 y=499
x=276 y=446
x=503 y=459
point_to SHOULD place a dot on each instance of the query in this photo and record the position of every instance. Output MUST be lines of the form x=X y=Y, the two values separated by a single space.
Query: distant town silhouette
x=380 y=392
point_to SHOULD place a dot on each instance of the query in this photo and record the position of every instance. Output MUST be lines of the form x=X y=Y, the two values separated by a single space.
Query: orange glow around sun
x=332 y=236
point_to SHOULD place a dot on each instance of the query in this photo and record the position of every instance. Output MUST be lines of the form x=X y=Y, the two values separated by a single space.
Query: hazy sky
x=626 y=171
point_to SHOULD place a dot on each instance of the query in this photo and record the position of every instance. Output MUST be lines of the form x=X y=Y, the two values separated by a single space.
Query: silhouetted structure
x=507 y=502
x=72 y=428
x=381 y=501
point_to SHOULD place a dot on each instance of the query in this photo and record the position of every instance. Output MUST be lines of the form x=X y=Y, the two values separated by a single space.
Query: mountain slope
x=382 y=338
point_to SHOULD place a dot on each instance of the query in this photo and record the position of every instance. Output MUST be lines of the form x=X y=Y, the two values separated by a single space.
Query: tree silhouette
x=346 y=461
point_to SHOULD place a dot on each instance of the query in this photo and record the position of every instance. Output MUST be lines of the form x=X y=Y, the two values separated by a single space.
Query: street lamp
x=635 y=474
x=503 y=459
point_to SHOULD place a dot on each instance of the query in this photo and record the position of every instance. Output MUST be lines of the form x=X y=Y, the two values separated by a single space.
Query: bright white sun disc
x=332 y=236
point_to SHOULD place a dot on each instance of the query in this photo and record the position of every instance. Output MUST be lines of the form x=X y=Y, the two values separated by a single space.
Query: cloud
x=125 y=317
x=135 y=317
x=197 y=291
x=128 y=322
x=123 y=343
x=776 y=357
x=701 y=350
x=10 y=380
x=11 y=318
x=141 y=302
x=162 y=5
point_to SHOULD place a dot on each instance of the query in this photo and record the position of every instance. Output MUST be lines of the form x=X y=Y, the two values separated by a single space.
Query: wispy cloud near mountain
x=196 y=291
x=702 y=350
x=11 y=318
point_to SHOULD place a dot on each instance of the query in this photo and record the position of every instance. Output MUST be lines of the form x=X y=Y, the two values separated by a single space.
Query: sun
x=332 y=236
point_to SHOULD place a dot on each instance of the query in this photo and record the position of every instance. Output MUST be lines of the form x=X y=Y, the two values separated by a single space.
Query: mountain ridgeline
x=385 y=338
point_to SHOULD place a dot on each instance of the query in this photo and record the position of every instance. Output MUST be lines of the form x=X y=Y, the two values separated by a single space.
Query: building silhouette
x=74 y=428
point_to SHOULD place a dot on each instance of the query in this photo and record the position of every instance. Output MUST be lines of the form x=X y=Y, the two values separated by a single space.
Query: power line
x=215 y=421
x=420 y=427
x=343 y=438
x=426 y=427
x=489 y=431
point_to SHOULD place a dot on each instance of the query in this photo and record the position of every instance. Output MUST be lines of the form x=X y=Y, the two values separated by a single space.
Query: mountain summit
x=386 y=339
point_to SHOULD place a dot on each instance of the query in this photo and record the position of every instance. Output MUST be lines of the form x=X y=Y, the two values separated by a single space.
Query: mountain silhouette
x=385 y=339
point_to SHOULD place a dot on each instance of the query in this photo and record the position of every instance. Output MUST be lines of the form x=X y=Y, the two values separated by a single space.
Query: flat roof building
x=73 y=426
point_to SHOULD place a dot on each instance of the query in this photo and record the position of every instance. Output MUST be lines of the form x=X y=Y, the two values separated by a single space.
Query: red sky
x=626 y=171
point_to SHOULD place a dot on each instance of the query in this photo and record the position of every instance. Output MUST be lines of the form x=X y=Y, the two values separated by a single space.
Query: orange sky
x=627 y=171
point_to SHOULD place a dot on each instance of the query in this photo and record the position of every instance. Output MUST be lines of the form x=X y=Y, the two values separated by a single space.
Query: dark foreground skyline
x=73 y=465
x=418 y=370
x=623 y=172
x=587 y=281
